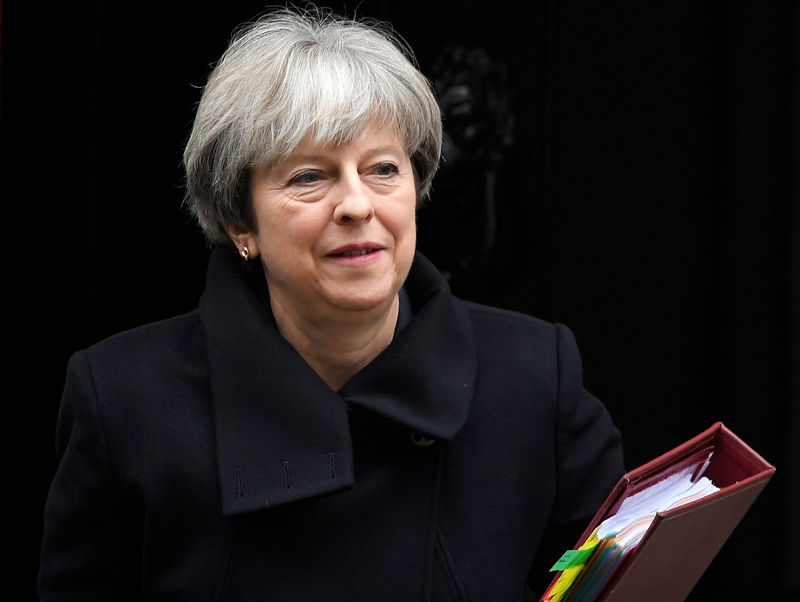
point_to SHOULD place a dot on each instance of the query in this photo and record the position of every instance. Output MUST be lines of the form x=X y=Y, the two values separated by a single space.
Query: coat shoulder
x=147 y=360
x=149 y=341
x=512 y=328
x=480 y=311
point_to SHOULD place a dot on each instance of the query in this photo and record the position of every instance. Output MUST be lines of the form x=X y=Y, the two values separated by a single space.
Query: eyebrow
x=290 y=162
x=387 y=148
x=312 y=157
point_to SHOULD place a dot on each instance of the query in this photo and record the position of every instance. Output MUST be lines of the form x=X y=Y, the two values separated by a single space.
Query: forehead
x=374 y=135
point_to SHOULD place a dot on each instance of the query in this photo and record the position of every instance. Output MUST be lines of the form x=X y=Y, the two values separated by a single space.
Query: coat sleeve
x=589 y=460
x=90 y=548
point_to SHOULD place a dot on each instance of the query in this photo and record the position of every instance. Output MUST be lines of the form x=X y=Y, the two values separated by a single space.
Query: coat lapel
x=282 y=434
x=425 y=378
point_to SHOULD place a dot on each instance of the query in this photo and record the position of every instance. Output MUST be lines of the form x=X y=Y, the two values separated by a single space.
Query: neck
x=337 y=347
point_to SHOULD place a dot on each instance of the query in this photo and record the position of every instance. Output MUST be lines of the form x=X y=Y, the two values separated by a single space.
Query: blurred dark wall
x=629 y=170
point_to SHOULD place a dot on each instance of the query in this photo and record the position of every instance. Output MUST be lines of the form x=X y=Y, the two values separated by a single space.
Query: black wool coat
x=201 y=458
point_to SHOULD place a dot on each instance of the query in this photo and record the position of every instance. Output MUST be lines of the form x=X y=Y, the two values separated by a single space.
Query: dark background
x=629 y=169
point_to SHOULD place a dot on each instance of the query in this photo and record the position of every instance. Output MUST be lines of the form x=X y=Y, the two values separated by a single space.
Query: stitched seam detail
x=445 y=571
x=332 y=465
x=287 y=481
x=240 y=482
x=433 y=521
x=103 y=430
x=229 y=564
x=452 y=579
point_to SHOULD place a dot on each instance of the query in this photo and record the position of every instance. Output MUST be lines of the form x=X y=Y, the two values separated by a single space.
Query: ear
x=243 y=238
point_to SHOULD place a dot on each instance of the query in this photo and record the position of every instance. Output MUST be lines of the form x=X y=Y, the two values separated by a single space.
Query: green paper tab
x=572 y=558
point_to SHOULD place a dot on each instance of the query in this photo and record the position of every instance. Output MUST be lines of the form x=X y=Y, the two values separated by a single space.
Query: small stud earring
x=245 y=253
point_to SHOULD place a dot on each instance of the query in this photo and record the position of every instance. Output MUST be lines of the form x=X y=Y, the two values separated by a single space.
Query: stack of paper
x=587 y=569
x=663 y=522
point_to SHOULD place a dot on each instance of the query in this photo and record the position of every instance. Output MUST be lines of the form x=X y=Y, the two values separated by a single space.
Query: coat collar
x=282 y=433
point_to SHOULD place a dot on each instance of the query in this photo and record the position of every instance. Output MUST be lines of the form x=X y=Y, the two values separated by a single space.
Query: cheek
x=412 y=227
x=408 y=224
x=288 y=246
x=403 y=226
x=281 y=230
x=402 y=219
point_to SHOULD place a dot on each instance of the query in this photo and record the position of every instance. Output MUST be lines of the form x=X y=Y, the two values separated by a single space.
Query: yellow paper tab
x=568 y=576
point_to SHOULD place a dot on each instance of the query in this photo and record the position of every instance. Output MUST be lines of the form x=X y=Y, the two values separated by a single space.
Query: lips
x=355 y=250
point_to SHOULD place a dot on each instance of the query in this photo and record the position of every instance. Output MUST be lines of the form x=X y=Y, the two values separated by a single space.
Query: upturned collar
x=282 y=433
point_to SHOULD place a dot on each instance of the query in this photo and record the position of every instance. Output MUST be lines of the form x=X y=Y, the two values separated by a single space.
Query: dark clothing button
x=421 y=440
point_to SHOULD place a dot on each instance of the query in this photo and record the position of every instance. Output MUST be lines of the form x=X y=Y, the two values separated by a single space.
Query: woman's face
x=336 y=225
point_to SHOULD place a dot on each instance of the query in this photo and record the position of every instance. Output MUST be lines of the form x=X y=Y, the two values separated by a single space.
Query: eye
x=304 y=178
x=385 y=169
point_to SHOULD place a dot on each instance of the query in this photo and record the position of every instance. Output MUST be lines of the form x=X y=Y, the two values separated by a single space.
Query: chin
x=363 y=303
x=363 y=300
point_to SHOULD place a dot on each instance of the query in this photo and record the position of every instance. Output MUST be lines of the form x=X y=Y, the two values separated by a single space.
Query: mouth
x=355 y=250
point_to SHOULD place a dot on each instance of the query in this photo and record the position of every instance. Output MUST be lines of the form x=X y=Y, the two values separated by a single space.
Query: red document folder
x=680 y=543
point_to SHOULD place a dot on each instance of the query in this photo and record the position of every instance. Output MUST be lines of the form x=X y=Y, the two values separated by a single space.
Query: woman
x=330 y=423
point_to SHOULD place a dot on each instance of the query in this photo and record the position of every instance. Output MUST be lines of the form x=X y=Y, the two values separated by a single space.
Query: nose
x=354 y=204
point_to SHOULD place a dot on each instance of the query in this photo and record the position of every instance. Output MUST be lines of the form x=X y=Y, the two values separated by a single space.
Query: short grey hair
x=297 y=73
